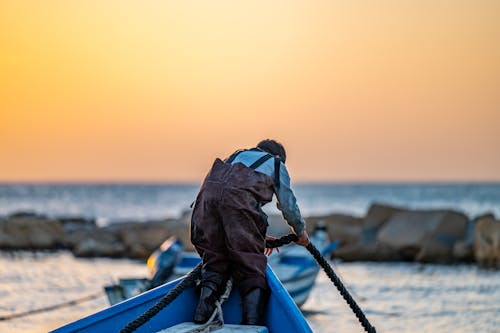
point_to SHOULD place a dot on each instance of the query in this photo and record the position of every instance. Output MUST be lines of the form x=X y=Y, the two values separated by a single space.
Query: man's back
x=228 y=226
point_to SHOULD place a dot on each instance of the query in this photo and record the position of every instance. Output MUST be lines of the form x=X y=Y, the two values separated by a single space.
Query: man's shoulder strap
x=260 y=161
x=277 y=167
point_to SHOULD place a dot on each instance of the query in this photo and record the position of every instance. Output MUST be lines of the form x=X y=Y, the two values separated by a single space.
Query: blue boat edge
x=282 y=314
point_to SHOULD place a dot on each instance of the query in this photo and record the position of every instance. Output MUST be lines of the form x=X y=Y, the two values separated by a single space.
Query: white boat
x=294 y=266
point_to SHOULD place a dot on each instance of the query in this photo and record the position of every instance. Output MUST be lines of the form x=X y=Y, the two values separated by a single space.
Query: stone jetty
x=385 y=233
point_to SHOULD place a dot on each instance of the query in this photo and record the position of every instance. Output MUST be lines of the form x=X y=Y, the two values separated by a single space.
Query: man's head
x=273 y=147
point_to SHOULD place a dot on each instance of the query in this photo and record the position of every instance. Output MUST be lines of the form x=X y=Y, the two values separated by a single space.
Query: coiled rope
x=195 y=274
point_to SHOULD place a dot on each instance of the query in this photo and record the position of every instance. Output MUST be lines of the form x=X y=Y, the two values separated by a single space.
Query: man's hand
x=269 y=250
x=303 y=239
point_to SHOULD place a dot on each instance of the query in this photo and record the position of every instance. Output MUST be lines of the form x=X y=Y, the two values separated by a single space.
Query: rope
x=188 y=281
x=340 y=286
x=331 y=274
x=287 y=239
x=52 y=307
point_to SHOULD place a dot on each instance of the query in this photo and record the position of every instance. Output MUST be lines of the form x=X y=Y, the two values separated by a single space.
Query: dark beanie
x=273 y=147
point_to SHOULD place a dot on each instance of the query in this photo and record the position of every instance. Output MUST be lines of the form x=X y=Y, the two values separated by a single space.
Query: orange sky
x=154 y=90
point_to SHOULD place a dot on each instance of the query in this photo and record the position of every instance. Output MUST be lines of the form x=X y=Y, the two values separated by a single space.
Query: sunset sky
x=155 y=90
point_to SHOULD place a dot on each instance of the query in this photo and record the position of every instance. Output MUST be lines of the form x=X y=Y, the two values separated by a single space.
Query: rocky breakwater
x=386 y=233
x=389 y=233
x=135 y=239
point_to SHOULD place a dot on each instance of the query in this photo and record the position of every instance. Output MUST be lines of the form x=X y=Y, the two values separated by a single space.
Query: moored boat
x=295 y=267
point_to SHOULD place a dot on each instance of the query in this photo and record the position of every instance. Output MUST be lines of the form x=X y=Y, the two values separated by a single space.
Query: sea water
x=396 y=297
x=114 y=202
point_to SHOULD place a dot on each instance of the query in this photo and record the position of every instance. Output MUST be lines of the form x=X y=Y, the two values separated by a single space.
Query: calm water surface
x=395 y=297
x=114 y=202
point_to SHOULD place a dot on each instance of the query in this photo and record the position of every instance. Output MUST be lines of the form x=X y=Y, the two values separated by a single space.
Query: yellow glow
x=154 y=90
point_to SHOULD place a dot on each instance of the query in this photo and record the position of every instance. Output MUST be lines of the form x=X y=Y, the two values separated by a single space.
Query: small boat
x=281 y=313
x=295 y=267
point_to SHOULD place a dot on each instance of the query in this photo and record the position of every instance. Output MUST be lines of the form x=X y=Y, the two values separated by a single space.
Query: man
x=228 y=226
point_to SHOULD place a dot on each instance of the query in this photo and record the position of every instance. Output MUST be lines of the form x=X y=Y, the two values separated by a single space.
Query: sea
x=395 y=297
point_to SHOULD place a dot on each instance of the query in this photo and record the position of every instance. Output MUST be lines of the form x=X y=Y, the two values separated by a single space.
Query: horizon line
x=298 y=182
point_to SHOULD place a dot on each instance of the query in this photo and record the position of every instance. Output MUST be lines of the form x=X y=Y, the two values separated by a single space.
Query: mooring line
x=52 y=307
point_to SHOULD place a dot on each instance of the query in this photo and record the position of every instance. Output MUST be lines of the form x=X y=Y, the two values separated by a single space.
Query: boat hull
x=281 y=315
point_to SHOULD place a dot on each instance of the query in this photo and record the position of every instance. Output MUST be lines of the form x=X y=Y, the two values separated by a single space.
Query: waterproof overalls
x=228 y=227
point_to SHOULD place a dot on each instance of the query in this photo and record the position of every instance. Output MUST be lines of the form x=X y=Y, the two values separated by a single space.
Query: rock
x=26 y=232
x=427 y=236
x=367 y=249
x=74 y=237
x=141 y=239
x=439 y=244
x=101 y=243
x=487 y=242
x=74 y=223
x=378 y=214
x=136 y=240
x=463 y=251
x=365 y=245
x=484 y=216
x=343 y=228
x=181 y=229
x=405 y=231
x=366 y=252
x=356 y=252
x=27 y=214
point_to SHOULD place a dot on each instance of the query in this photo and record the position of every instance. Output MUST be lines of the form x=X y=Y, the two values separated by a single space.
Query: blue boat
x=295 y=267
x=281 y=314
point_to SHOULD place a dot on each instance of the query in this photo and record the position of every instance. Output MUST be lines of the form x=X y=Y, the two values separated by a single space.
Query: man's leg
x=245 y=240
x=207 y=235
x=253 y=306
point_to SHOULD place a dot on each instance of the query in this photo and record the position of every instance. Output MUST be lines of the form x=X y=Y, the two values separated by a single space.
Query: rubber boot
x=206 y=303
x=253 y=307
